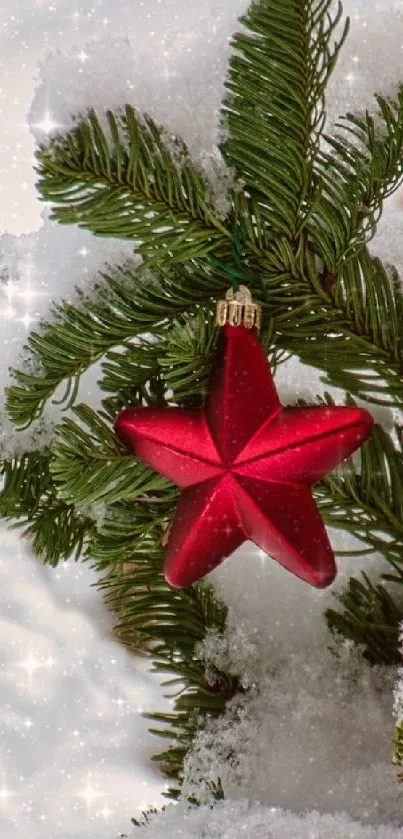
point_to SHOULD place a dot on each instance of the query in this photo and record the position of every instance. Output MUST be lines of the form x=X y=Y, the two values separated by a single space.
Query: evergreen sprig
x=368 y=301
x=370 y=618
x=361 y=166
x=369 y=502
x=89 y=466
x=398 y=754
x=273 y=113
x=29 y=499
x=360 y=309
x=170 y=622
x=132 y=182
x=122 y=307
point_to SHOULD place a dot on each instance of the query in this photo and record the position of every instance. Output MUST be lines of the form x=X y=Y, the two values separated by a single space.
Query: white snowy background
x=313 y=746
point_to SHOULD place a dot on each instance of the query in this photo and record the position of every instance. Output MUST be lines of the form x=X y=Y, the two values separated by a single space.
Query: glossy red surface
x=246 y=465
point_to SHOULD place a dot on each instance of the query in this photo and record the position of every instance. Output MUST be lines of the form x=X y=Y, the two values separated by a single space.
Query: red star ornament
x=246 y=465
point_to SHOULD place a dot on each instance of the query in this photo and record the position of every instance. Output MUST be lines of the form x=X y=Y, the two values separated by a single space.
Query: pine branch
x=125 y=306
x=363 y=166
x=361 y=311
x=132 y=182
x=372 y=304
x=370 y=618
x=179 y=359
x=146 y=815
x=364 y=312
x=398 y=756
x=185 y=358
x=171 y=622
x=369 y=503
x=133 y=373
x=274 y=112
x=89 y=465
x=29 y=500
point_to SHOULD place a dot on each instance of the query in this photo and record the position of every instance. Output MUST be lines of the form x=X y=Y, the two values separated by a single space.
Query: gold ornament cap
x=238 y=309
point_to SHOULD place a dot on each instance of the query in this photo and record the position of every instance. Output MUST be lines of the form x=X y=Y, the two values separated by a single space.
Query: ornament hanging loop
x=238 y=309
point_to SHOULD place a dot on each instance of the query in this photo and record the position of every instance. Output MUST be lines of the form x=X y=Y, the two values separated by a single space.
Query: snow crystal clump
x=240 y=819
x=315 y=734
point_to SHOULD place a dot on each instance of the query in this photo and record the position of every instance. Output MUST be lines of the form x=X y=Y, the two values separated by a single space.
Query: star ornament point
x=245 y=465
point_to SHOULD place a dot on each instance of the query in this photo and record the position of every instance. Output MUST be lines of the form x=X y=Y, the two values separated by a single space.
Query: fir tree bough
x=302 y=207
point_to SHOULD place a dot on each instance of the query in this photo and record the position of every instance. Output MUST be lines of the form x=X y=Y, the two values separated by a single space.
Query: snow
x=237 y=819
x=71 y=703
x=315 y=731
x=311 y=745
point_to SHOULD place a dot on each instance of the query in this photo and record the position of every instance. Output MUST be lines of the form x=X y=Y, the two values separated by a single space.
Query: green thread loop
x=236 y=274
